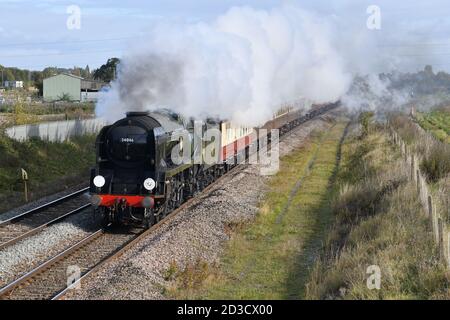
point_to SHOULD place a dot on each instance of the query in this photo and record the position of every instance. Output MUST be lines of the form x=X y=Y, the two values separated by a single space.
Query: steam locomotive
x=136 y=181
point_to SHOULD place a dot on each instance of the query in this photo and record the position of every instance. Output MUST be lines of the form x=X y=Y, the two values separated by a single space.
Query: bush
x=436 y=162
x=405 y=128
x=365 y=120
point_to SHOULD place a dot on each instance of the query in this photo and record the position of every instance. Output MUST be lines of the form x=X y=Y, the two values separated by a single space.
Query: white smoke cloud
x=241 y=66
x=370 y=92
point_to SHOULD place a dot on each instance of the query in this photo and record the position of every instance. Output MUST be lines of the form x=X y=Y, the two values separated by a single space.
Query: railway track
x=35 y=220
x=49 y=280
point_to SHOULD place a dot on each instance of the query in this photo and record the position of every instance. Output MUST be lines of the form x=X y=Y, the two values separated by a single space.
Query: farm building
x=74 y=88
x=13 y=84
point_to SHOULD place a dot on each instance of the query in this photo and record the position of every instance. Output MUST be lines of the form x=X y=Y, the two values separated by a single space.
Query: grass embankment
x=50 y=166
x=270 y=258
x=379 y=221
x=437 y=122
x=434 y=154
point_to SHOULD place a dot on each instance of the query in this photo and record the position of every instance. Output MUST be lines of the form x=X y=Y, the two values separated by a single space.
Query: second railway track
x=35 y=220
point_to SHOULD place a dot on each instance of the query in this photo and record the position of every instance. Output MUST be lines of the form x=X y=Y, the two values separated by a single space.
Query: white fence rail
x=56 y=131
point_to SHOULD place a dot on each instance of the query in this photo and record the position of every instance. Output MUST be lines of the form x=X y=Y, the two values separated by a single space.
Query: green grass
x=379 y=221
x=435 y=154
x=271 y=257
x=437 y=122
x=50 y=166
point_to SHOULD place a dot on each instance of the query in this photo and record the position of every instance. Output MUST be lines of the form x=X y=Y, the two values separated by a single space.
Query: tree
x=49 y=72
x=87 y=72
x=107 y=72
x=38 y=80
x=9 y=75
x=429 y=70
x=76 y=71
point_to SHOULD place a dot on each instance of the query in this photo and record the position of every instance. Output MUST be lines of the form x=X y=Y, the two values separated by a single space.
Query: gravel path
x=199 y=232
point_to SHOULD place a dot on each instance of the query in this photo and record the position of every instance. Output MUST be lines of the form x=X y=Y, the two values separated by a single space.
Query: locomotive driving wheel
x=149 y=218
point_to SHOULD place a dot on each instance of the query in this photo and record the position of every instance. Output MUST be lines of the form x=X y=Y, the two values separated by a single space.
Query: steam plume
x=241 y=66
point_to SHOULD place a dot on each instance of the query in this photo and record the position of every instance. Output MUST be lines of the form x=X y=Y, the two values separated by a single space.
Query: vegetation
x=269 y=258
x=437 y=122
x=107 y=72
x=365 y=120
x=51 y=167
x=379 y=221
x=419 y=84
x=436 y=163
x=65 y=97
x=435 y=154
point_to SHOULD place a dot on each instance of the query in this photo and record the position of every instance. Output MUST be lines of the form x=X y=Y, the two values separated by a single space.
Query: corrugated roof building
x=71 y=87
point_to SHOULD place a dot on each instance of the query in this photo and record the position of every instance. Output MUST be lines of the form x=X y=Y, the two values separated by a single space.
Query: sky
x=34 y=34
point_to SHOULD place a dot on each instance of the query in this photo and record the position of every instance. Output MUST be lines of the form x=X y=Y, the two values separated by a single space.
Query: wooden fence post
x=435 y=220
x=418 y=180
x=448 y=249
x=430 y=209
x=441 y=238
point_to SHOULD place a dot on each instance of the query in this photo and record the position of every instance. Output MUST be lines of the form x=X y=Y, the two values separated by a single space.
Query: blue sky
x=33 y=34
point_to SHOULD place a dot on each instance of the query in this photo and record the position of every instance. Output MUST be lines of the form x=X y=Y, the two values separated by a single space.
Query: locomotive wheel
x=169 y=205
x=166 y=211
x=150 y=220
x=104 y=216
x=180 y=197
